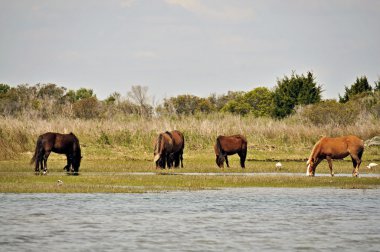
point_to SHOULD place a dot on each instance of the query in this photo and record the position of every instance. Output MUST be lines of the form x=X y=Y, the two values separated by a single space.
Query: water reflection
x=232 y=219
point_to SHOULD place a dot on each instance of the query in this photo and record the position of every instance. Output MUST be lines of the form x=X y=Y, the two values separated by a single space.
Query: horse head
x=76 y=163
x=310 y=167
x=220 y=160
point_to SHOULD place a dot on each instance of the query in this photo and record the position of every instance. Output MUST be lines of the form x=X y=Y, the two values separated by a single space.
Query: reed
x=133 y=137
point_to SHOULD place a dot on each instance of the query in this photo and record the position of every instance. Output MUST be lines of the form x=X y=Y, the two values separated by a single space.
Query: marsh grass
x=132 y=138
x=114 y=176
x=111 y=183
x=113 y=148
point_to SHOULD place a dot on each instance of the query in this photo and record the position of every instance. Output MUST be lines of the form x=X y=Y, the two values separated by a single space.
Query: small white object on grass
x=371 y=165
x=59 y=182
x=278 y=165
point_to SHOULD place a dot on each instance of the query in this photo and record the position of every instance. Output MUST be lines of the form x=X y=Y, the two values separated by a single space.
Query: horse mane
x=170 y=134
x=158 y=144
x=314 y=150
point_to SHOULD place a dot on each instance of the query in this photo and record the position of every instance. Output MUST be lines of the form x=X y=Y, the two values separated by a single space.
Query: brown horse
x=67 y=144
x=169 y=149
x=229 y=145
x=336 y=148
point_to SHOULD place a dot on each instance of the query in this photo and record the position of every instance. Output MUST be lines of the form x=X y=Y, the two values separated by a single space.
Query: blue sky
x=188 y=46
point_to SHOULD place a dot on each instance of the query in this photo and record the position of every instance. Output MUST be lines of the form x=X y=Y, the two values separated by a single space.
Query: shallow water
x=230 y=219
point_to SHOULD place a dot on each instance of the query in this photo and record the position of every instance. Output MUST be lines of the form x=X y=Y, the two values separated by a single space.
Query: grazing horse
x=336 y=148
x=67 y=144
x=229 y=145
x=169 y=149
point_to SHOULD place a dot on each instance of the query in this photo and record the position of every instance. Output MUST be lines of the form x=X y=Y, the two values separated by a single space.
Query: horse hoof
x=44 y=173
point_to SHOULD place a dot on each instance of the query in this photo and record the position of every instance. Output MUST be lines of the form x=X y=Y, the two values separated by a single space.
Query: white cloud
x=216 y=9
x=127 y=3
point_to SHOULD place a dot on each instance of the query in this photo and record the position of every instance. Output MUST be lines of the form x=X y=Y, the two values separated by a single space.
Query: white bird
x=371 y=165
x=278 y=165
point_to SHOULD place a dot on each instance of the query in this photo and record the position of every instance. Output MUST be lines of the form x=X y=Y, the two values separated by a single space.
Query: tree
x=293 y=91
x=258 y=102
x=87 y=108
x=113 y=98
x=377 y=85
x=361 y=85
x=182 y=104
x=139 y=96
x=50 y=91
x=84 y=93
x=4 y=88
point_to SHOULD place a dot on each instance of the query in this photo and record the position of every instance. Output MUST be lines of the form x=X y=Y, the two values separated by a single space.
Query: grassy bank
x=114 y=148
x=123 y=176
x=114 y=183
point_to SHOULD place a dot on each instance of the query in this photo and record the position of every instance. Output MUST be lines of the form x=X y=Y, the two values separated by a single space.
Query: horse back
x=232 y=144
x=340 y=147
x=60 y=143
x=178 y=141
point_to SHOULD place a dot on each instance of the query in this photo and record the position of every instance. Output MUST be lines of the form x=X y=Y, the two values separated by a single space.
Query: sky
x=196 y=47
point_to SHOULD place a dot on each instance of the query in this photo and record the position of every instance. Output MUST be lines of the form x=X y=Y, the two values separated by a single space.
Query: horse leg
x=46 y=156
x=228 y=165
x=169 y=161
x=37 y=166
x=181 y=159
x=67 y=167
x=242 y=156
x=330 y=165
x=356 y=161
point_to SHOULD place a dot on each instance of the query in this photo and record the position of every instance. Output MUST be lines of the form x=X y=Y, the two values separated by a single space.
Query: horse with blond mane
x=336 y=148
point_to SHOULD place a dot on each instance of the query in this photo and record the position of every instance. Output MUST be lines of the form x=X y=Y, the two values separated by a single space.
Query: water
x=254 y=219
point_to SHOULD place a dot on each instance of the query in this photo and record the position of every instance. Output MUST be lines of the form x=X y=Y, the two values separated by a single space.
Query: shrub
x=331 y=112
x=87 y=108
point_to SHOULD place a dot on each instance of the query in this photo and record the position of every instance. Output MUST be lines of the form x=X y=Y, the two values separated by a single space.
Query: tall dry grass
x=18 y=135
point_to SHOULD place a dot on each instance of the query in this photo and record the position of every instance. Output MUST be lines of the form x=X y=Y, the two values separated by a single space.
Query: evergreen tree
x=361 y=85
x=293 y=91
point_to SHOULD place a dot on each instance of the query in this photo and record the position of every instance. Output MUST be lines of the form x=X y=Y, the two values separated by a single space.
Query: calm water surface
x=253 y=219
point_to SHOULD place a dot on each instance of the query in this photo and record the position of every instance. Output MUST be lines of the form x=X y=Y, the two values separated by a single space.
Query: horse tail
x=157 y=148
x=219 y=146
x=37 y=150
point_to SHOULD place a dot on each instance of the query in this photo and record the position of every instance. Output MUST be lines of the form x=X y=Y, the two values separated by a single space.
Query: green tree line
x=292 y=94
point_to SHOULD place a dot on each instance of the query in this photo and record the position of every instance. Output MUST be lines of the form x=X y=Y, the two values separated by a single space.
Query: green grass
x=116 y=176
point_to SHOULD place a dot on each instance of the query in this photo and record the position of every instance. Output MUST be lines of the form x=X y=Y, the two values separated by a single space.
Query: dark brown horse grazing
x=229 y=145
x=336 y=148
x=169 y=149
x=67 y=144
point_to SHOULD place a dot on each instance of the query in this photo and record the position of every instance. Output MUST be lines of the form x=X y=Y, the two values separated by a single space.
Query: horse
x=169 y=149
x=336 y=148
x=176 y=156
x=67 y=144
x=229 y=145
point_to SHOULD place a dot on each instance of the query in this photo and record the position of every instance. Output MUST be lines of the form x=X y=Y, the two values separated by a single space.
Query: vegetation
x=122 y=176
x=361 y=85
x=294 y=91
x=117 y=135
